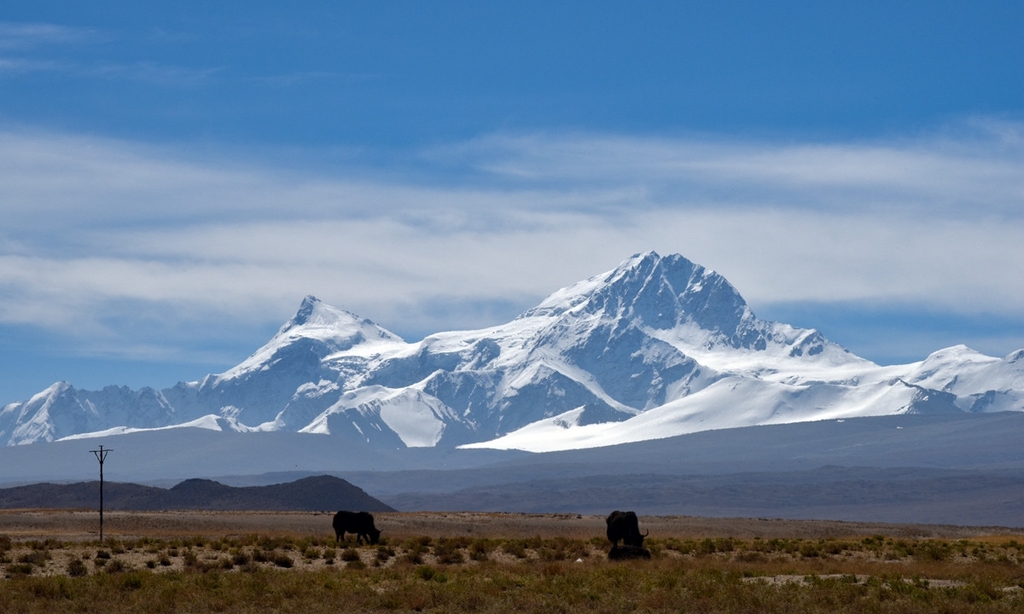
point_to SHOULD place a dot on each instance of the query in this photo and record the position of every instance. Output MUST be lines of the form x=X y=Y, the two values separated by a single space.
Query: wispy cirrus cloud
x=27 y=48
x=471 y=233
x=979 y=164
x=26 y=36
x=24 y=66
x=152 y=73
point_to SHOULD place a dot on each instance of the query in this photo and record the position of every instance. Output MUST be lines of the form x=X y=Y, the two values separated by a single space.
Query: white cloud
x=982 y=167
x=93 y=224
x=37 y=47
x=18 y=35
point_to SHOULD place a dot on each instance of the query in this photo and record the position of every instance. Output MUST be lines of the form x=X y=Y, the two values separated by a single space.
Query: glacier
x=655 y=348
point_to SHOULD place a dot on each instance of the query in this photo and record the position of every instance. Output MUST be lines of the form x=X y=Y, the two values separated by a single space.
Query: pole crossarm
x=101 y=454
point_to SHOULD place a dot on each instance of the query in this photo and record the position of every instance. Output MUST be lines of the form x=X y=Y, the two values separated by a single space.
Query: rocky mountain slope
x=657 y=347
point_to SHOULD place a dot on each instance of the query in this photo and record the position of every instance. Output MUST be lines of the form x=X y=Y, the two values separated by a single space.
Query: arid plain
x=492 y=562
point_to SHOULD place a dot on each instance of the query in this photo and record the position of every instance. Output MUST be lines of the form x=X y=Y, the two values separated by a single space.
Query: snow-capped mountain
x=657 y=347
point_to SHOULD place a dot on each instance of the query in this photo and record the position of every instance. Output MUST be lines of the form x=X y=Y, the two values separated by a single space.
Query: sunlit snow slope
x=657 y=347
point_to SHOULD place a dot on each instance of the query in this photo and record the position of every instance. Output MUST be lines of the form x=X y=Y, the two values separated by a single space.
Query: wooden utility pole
x=101 y=455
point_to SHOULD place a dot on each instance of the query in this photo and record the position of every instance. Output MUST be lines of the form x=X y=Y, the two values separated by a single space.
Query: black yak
x=360 y=523
x=623 y=526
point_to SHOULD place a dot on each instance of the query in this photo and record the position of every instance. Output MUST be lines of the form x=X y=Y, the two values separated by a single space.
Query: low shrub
x=350 y=554
x=20 y=569
x=36 y=557
x=412 y=558
x=276 y=543
x=131 y=582
x=930 y=550
x=425 y=572
x=384 y=554
x=480 y=549
x=751 y=556
x=415 y=549
x=76 y=568
x=448 y=551
x=515 y=547
x=283 y=560
x=561 y=549
x=810 y=550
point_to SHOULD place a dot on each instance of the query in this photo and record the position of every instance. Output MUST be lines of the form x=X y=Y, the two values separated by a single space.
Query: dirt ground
x=82 y=525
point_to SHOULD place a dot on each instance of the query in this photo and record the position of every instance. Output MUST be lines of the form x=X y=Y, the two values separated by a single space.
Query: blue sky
x=176 y=176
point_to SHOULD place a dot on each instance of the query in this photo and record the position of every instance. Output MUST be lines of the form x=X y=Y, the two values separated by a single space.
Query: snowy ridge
x=657 y=347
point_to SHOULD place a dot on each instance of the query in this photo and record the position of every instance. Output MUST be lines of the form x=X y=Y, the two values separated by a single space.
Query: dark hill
x=308 y=494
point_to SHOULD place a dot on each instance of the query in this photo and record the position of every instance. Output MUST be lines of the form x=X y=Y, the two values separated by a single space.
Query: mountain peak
x=659 y=292
x=306 y=309
x=314 y=313
x=319 y=327
x=317 y=319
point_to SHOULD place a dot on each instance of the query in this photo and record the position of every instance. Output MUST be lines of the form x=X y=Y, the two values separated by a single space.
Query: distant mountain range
x=657 y=347
x=950 y=468
x=318 y=493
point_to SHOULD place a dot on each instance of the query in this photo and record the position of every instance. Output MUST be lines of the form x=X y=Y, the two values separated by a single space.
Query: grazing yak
x=623 y=526
x=360 y=523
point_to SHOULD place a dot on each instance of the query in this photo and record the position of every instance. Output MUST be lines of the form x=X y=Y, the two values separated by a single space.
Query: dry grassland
x=472 y=562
